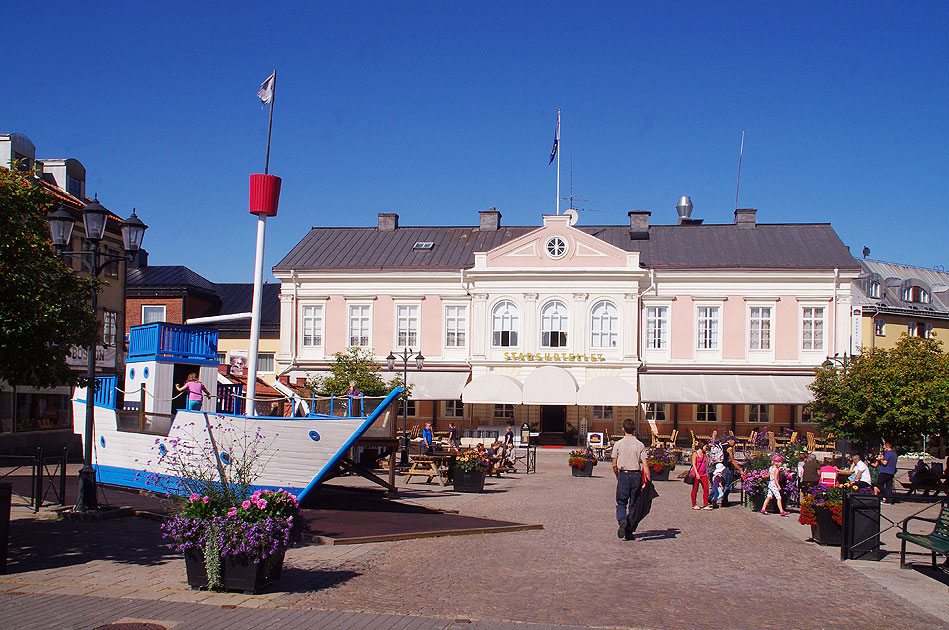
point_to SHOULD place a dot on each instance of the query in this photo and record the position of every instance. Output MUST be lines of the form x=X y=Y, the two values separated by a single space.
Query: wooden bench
x=497 y=470
x=937 y=541
x=927 y=486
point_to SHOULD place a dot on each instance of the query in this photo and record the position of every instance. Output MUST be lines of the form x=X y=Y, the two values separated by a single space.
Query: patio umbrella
x=643 y=505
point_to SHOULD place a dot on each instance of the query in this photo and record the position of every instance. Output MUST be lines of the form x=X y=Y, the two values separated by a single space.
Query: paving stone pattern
x=687 y=569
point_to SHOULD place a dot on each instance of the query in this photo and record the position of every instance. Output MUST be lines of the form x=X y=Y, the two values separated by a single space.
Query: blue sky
x=438 y=110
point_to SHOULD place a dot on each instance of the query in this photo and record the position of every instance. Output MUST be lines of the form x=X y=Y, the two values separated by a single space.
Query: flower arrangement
x=470 y=460
x=580 y=459
x=829 y=498
x=658 y=460
x=263 y=525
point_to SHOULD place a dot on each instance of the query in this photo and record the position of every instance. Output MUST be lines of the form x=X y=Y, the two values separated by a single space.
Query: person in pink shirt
x=194 y=388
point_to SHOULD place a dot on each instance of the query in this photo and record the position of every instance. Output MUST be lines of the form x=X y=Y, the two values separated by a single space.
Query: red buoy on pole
x=264 y=194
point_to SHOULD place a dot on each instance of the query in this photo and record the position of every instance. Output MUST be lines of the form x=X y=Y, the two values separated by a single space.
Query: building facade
x=572 y=328
x=30 y=417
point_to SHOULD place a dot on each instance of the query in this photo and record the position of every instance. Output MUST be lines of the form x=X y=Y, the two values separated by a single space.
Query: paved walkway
x=688 y=569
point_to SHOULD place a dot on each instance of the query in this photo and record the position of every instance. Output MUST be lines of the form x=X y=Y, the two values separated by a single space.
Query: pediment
x=572 y=248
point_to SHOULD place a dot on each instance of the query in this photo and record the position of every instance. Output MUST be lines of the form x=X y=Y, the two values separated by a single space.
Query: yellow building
x=890 y=300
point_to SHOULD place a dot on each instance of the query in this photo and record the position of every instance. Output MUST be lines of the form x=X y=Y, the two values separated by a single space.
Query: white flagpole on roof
x=558 y=160
x=267 y=93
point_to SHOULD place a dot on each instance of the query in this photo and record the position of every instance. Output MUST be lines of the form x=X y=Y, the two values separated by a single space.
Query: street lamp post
x=405 y=355
x=94 y=218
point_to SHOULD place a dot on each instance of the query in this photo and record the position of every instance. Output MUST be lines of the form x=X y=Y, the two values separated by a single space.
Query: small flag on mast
x=553 y=152
x=265 y=94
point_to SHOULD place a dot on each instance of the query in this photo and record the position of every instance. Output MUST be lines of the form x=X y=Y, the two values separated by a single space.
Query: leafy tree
x=900 y=394
x=44 y=306
x=356 y=364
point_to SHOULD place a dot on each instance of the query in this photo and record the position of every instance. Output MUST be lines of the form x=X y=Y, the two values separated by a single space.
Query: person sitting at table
x=810 y=474
x=859 y=472
x=828 y=474
x=920 y=472
x=428 y=438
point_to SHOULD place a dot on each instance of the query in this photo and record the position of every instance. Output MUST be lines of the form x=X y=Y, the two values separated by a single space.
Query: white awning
x=437 y=385
x=608 y=390
x=494 y=389
x=550 y=385
x=726 y=389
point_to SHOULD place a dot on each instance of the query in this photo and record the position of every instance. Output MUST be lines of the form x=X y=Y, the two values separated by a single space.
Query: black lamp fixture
x=95 y=219
x=405 y=355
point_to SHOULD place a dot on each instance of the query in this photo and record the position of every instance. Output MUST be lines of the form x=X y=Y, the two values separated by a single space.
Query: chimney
x=684 y=210
x=388 y=221
x=490 y=220
x=639 y=224
x=745 y=217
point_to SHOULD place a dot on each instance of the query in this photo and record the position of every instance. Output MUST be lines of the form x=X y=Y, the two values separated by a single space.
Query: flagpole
x=558 y=160
x=740 y=152
x=250 y=407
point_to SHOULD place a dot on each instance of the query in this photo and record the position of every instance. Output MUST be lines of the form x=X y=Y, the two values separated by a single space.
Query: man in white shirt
x=859 y=471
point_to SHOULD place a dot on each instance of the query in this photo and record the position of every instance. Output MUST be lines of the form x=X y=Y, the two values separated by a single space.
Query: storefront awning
x=608 y=390
x=550 y=385
x=496 y=389
x=437 y=385
x=726 y=389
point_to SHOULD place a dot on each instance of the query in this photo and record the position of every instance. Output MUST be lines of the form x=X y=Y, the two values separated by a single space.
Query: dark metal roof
x=165 y=276
x=238 y=298
x=781 y=246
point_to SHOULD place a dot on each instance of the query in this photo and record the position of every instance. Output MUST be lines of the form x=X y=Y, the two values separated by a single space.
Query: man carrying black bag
x=629 y=466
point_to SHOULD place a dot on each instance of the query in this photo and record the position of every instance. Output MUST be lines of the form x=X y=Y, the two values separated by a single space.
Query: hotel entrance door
x=553 y=419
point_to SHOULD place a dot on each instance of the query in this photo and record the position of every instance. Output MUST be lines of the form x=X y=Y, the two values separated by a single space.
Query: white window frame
x=548 y=319
x=702 y=413
x=316 y=334
x=456 y=323
x=349 y=324
x=222 y=357
x=404 y=338
x=873 y=289
x=760 y=328
x=712 y=330
x=810 y=346
x=610 y=316
x=110 y=327
x=656 y=329
x=756 y=411
x=164 y=312
x=879 y=327
x=513 y=320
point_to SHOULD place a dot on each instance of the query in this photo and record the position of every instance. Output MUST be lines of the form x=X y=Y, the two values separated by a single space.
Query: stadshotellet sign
x=553 y=356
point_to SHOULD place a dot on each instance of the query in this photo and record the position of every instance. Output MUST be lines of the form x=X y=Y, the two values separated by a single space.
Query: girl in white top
x=775 y=474
x=859 y=472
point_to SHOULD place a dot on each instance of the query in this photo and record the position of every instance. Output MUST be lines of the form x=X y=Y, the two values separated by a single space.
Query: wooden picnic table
x=430 y=466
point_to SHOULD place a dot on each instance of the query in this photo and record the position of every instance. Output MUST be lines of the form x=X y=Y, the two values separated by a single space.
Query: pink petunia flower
x=245 y=504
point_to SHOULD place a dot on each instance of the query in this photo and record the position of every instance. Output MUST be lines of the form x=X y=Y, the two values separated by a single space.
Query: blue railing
x=172 y=342
x=230 y=399
x=105 y=391
x=343 y=406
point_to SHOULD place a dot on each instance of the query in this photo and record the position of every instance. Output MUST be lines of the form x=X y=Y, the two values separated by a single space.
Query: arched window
x=604 y=325
x=504 y=324
x=553 y=325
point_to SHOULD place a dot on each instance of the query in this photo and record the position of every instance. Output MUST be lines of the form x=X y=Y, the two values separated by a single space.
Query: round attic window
x=556 y=247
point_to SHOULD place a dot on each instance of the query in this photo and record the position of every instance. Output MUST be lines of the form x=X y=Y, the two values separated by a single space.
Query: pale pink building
x=570 y=327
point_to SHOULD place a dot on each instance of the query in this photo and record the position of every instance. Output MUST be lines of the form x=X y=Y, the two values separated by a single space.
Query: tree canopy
x=44 y=306
x=900 y=394
x=356 y=364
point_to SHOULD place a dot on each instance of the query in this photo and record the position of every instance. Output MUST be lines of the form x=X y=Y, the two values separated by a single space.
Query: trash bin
x=861 y=528
x=6 y=491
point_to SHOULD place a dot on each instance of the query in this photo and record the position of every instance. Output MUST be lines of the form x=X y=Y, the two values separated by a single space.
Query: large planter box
x=861 y=528
x=827 y=531
x=660 y=476
x=468 y=480
x=586 y=471
x=756 y=502
x=238 y=573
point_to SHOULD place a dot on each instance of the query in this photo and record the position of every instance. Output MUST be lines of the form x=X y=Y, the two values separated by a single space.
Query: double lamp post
x=405 y=355
x=95 y=219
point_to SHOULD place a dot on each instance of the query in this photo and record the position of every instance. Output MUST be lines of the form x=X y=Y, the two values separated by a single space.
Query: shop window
x=553 y=325
x=706 y=413
x=504 y=324
x=759 y=414
x=504 y=412
x=454 y=409
x=655 y=412
x=604 y=325
x=312 y=326
x=407 y=407
x=602 y=412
